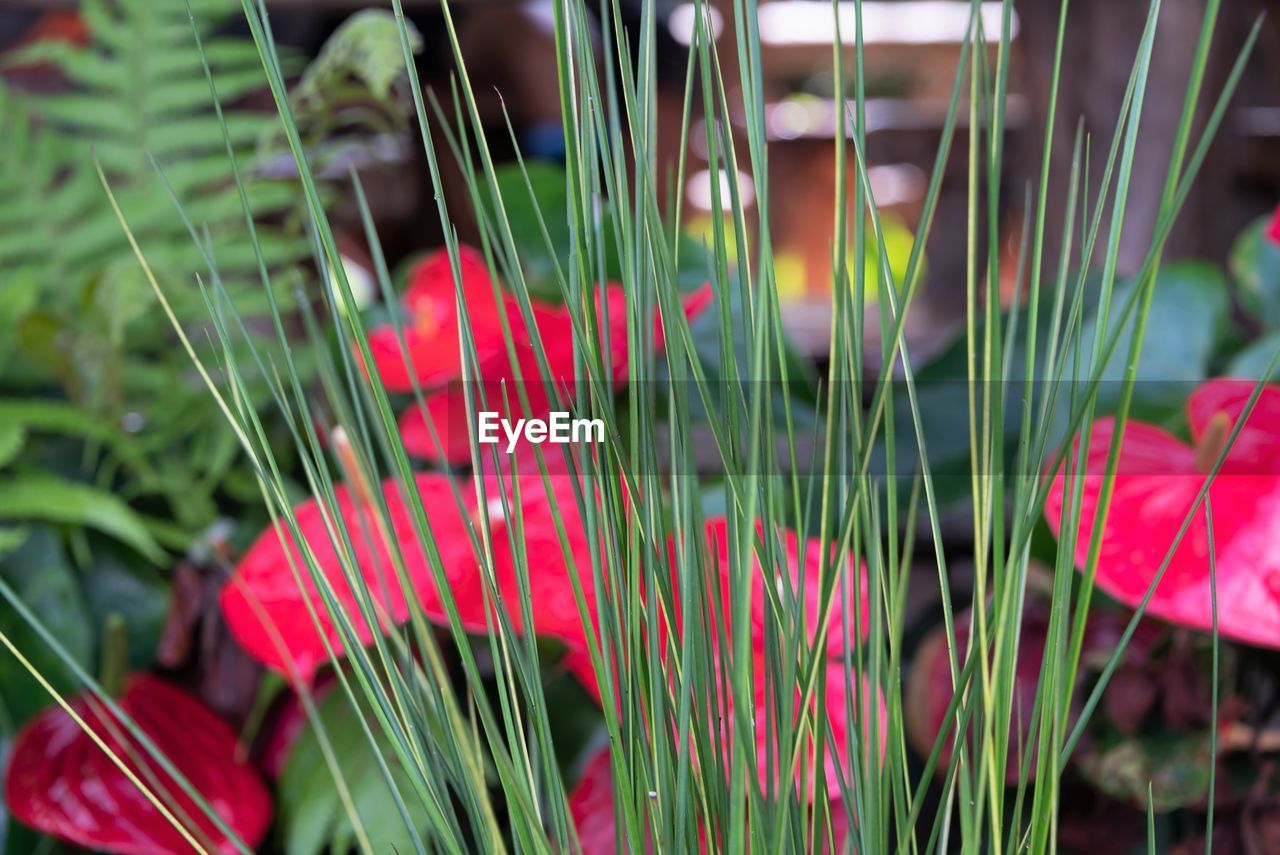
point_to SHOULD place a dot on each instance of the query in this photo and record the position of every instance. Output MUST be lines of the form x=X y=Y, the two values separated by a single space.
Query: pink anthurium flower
x=1156 y=484
x=431 y=329
x=528 y=531
x=804 y=561
x=447 y=409
x=929 y=690
x=591 y=802
x=271 y=615
x=804 y=567
x=60 y=782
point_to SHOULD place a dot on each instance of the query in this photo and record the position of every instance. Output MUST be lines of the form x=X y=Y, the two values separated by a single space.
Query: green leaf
x=17 y=298
x=1255 y=264
x=115 y=585
x=12 y=438
x=12 y=537
x=1252 y=362
x=310 y=808
x=45 y=498
x=366 y=47
x=1189 y=313
x=41 y=577
x=550 y=199
x=1175 y=766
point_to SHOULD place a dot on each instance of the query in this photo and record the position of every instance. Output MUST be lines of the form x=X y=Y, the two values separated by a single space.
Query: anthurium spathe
x=591 y=802
x=930 y=688
x=62 y=783
x=526 y=538
x=430 y=332
x=1156 y=484
x=269 y=606
x=800 y=580
x=449 y=412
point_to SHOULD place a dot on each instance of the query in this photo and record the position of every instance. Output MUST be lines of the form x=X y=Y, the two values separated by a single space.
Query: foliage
x=311 y=804
x=84 y=323
x=354 y=93
x=691 y=651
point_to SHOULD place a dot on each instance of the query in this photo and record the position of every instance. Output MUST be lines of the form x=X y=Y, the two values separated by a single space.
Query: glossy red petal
x=802 y=578
x=1156 y=485
x=536 y=539
x=591 y=806
x=452 y=418
x=591 y=802
x=1256 y=450
x=611 y=305
x=445 y=412
x=61 y=783
x=431 y=330
x=269 y=613
x=843 y=701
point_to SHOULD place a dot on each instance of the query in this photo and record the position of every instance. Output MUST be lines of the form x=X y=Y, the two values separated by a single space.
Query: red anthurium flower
x=60 y=782
x=1156 y=485
x=448 y=410
x=804 y=565
x=1273 y=228
x=270 y=614
x=804 y=568
x=591 y=808
x=431 y=331
x=591 y=802
x=531 y=531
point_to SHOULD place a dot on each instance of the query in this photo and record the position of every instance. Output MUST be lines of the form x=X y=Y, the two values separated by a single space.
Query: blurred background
x=113 y=451
x=912 y=50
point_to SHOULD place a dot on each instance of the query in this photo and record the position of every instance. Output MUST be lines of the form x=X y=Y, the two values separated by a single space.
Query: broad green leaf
x=45 y=498
x=116 y=583
x=11 y=537
x=311 y=811
x=12 y=438
x=550 y=200
x=1174 y=766
x=1255 y=264
x=366 y=47
x=1252 y=362
x=1189 y=312
x=1188 y=316
x=40 y=575
x=17 y=298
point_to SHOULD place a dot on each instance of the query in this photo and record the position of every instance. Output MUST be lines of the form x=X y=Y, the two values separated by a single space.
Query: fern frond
x=138 y=97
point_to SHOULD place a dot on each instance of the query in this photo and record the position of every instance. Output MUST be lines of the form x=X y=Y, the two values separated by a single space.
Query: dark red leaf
x=929 y=690
x=60 y=782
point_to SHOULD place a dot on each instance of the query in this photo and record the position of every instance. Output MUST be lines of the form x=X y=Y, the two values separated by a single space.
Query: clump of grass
x=471 y=762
